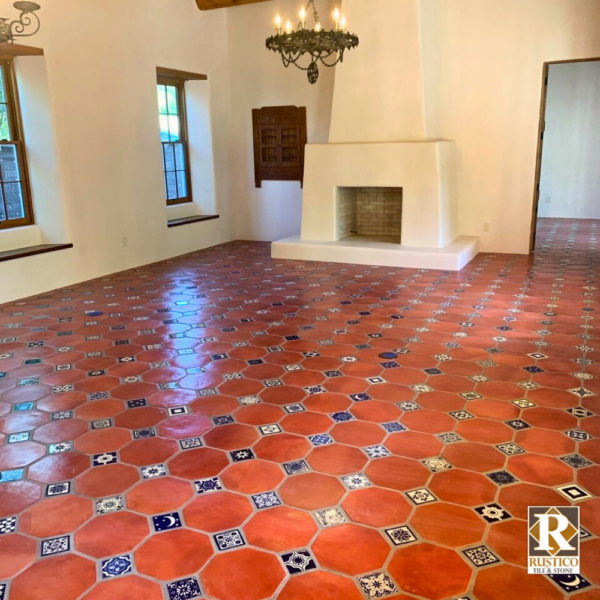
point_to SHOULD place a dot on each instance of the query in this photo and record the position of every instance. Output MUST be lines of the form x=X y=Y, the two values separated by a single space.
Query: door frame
x=540 y=141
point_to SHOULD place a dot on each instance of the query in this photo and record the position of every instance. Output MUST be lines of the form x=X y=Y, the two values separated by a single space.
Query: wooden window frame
x=16 y=130
x=179 y=83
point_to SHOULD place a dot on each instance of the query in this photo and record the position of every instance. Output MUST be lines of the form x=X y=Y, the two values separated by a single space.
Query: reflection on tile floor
x=227 y=426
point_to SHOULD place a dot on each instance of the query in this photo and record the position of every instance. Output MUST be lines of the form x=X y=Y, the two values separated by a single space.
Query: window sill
x=188 y=220
x=32 y=251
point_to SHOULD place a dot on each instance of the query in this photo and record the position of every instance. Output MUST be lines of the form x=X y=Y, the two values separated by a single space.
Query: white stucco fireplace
x=423 y=230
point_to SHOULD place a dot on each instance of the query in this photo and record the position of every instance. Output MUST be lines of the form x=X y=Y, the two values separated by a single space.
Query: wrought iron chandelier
x=9 y=30
x=319 y=44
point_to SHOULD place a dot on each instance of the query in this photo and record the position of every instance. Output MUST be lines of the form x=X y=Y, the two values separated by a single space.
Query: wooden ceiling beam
x=212 y=4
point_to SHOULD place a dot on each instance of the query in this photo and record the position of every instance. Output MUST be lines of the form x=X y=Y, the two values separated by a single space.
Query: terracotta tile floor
x=227 y=426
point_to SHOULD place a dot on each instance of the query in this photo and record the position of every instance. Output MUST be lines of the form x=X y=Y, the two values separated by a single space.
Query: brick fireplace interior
x=370 y=211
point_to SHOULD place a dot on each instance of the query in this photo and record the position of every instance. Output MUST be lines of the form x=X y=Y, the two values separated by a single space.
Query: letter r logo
x=552 y=526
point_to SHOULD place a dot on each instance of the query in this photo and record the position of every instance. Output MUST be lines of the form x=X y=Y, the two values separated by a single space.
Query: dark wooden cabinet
x=279 y=140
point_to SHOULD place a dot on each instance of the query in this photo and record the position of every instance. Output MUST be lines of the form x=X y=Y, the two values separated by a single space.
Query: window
x=173 y=135
x=15 y=200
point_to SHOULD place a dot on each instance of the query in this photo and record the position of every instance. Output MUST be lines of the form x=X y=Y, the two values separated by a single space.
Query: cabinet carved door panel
x=279 y=140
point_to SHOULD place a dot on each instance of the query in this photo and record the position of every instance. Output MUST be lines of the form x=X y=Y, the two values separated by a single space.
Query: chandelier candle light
x=319 y=44
x=9 y=30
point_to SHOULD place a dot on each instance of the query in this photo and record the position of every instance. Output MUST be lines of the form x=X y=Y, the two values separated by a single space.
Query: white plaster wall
x=378 y=93
x=100 y=61
x=483 y=64
x=258 y=78
x=570 y=181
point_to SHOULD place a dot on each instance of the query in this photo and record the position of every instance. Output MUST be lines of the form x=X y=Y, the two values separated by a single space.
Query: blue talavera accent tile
x=13 y=475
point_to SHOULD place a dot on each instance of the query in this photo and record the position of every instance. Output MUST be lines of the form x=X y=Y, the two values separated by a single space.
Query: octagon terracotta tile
x=325 y=403
x=139 y=418
x=351 y=549
x=306 y=423
x=125 y=588
x=17 y=496
x=259 y=414
x=535 y=468
x=107 y=480
x=463 y=487
x=484 y=431
x=336 y=459
x=428 y=421
x=231 y=437
x=448 y=524
x=198 y=463
x=184 y=426
x=590 y=560
x=311 y=491
x=589 y=478
x=542 y=441
x=358 y=433
x=413 y=444
x=65 y=576
x=283 y=447
x=252 y=476
x=500 y=583
x=516 y=498
x=18 y=552
x=13 y=456
x=317 y=585
x=56 y=516
x=111 y=534
x=217 y=512
x=474 y=457
x=173 y=554
x=257 y=575
x=60 y=431
x=161 y=495
x=148 y=451
x=58 y=467
x=430 y=571
x=376 y=507
x=97 y=441
x=280 y=529
x=507 y=540
x=400 y=474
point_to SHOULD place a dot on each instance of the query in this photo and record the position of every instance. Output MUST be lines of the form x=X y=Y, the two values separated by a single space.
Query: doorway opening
x=567 y=176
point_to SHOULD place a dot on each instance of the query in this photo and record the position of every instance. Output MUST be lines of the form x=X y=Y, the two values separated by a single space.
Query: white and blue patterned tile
x=270 y=429
x=57 y=489
x=60 y=447
x=321 y=439
x=184 y=589
x=356 y=481
x=295 y=467
x=241 y=455
x=377 y=585
x=329 y=517
x=167 y=521
x=55 y=545
x=377 y=451
x=14 y=438
x=153 y=471
x=118 y=565
x=401 y=535
x=107 y=458
x=229 y=539
x=298 y=561
x=208 y=485
x=266 y=500
x=109 y=505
